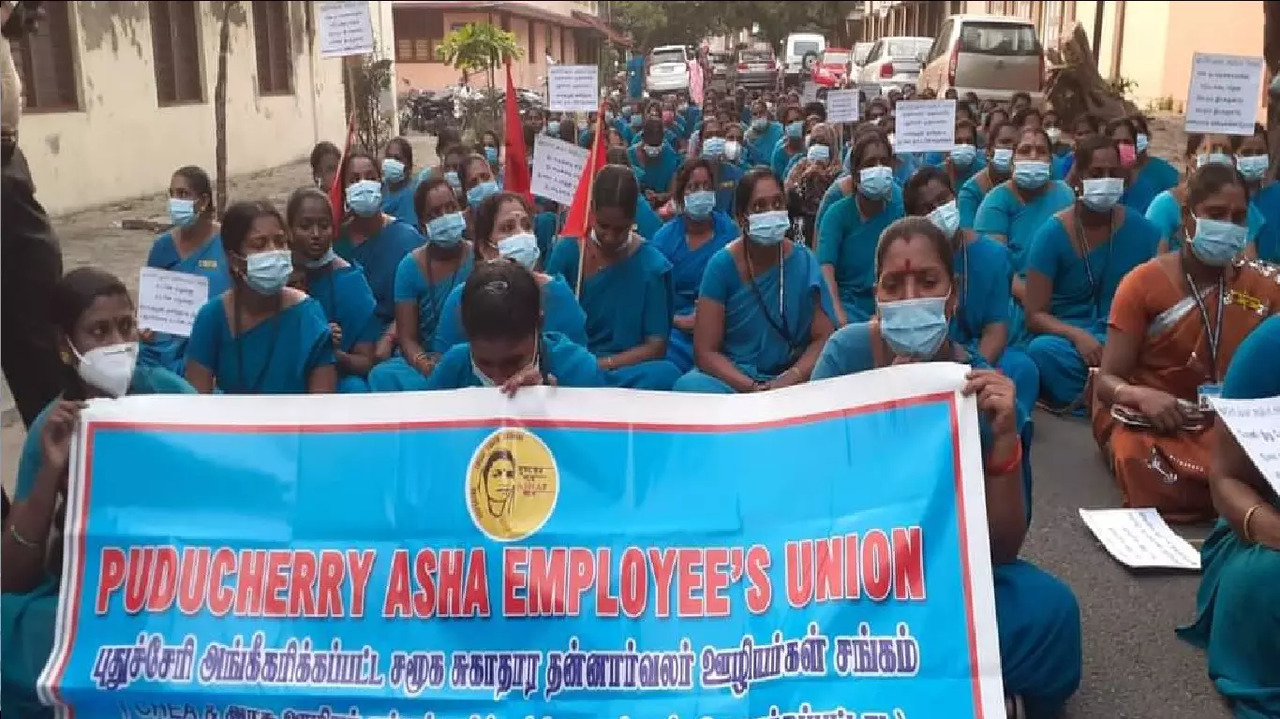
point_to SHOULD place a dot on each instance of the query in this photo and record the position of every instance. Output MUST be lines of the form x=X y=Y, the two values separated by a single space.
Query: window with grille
x=271 y=41
x=175 y=41
x=45 y=60
x=418 y=32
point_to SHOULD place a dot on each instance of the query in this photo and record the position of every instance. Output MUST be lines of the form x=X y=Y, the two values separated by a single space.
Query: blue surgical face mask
x=946 y=218
x=626 y=112
x=1002 y=158
x=1253 y=167
x=365 y=197
x=491 y=154
x=699 y=204
x=446 y=230
x=875 y=183
x=1101 y=194
x=608 y=116
x=713 y=147
x=553 y=128
x=182 y=212
x=522 y=248
x=1141 y=142
x=760 y=124
x=451 y=178
x=653 y=150
x=964 y=155
x=487 y=381
x=481 y=192
x=819 y=153
x=1030 y=174
x=914 y=328
x=768 y=228
x=1214 y=158
x=637 y=120
x=321 y=261
x=392 y=170
x=732 y=150
x=795 y=130
x=1216 y=242
x=268 y=272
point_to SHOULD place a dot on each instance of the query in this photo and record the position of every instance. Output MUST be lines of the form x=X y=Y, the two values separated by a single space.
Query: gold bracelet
x=1248 y=517
x=21 y=540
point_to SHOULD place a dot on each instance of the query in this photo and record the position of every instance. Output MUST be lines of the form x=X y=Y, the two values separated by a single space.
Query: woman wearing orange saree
x=1176 y=321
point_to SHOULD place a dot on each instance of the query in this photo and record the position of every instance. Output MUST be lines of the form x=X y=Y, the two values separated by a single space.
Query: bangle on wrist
x=21 y=540
x=1007 y=466
x=1245 y=531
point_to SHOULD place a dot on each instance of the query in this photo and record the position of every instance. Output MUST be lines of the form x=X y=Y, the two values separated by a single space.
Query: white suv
x=667 y=70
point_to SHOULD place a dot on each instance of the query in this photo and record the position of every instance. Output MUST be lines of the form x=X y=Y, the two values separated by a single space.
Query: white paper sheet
x=1140 y=538
x=574 y=88
x=808 y=92
x=1224 y=95
x=842 y=106
x=1256 y=426
x=345 y=28
x=169 y=301
x=925 y=126
x=557 y=166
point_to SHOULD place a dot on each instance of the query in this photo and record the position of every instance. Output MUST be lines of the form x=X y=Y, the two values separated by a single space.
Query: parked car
x=859 y=58
x=756 y=69
x=894 y=62
x=799 y=52
x=989 y=55
x=720 y=62
x=832 y=69
x=667 y=70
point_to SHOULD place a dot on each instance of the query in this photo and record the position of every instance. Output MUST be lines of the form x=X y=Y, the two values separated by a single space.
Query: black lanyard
x=1213 y=334
x=1095 y=282
x=781 y=325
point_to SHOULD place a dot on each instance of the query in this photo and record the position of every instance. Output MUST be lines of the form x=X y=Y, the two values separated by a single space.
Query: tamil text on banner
x=817 y=551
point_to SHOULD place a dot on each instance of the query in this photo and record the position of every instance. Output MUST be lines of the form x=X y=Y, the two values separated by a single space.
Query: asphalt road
x=1134 y=665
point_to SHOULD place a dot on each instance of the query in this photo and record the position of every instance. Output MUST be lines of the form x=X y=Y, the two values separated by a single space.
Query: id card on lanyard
x=1206 y=393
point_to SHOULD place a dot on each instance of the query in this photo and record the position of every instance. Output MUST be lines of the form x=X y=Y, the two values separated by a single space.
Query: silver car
x=894 y=62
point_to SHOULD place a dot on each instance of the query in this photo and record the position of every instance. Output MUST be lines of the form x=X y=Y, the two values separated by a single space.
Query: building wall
x=121 y=143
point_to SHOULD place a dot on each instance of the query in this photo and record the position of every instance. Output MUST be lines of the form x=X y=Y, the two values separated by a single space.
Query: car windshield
x=835 y=58
x=909 y=46
x=860 y=53
x=804 y=47
x=757 y=56
x=989 y=38
x=666 y=56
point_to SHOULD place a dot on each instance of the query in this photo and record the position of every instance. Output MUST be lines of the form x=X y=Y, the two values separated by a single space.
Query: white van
x=800 y=51
x=668 y=70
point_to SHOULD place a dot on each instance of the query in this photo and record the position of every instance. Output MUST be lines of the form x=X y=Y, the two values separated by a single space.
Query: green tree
x=478 y=48
x=671 y=23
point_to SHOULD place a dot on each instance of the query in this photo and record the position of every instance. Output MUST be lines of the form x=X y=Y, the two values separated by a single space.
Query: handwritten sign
x=168 y=301
x=1224 y=94
x=842 y=106
x=809 y=93
x=1256 y=426
x=345 y=29
x=574 y=88
x=1139 y=538
x=925 y=126
x=557 y=165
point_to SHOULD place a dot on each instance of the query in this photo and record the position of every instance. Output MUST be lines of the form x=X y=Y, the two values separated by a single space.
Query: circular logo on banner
x=512 y=485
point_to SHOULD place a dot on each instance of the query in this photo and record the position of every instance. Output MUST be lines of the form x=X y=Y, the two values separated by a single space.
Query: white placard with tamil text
x=574 y=88
x=557 y=166
x=1139 y=538
x=345 y=28
x=925 y=126
x=809 y=92
x=168 y=301
x=842 y=106
x=1224 y=94
x=1256 y=426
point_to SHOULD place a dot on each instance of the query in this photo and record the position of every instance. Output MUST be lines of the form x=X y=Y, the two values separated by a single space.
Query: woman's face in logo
x=500 y=484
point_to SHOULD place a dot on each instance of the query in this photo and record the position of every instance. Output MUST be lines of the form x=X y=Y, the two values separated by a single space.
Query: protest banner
x=346 y=28
x=925 y=126
x=573 y=88
x=842 y=106
x=169 y=301
x=557 y=165
x=1224 y=94
x=598 y=553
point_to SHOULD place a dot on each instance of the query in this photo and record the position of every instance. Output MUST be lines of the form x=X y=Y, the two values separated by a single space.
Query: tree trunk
x=220 y=109
x=1271 y=52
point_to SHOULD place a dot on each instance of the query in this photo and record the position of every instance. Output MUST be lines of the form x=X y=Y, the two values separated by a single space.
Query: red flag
x=517 y=178
x=337 y=199
x=579 y=219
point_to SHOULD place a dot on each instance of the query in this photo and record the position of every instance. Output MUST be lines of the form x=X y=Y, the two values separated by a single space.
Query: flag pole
x=582 y=236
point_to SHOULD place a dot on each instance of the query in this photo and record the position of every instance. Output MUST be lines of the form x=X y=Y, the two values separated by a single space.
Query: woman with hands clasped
x=98 y=342
x=1176 y=323
x=1037 y=615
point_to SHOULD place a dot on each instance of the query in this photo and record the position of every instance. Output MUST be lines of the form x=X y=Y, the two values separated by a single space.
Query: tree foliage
x=687 y=23
x=479 y=47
